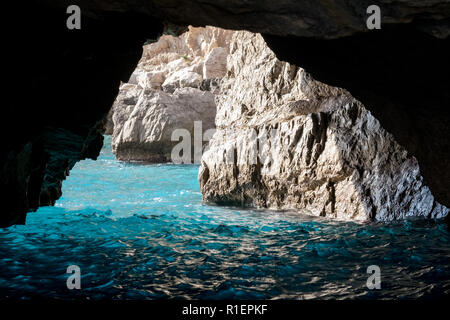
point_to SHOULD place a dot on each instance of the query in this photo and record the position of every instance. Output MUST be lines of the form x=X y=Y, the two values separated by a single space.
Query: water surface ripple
x=142 y=232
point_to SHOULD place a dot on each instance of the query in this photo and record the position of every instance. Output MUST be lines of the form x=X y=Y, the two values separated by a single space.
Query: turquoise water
x=142 y=232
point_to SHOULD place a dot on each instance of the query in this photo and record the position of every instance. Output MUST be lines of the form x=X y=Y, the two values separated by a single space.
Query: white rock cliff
x=173 y=86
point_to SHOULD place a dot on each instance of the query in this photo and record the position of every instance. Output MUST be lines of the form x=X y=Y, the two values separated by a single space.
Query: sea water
x=142 y=232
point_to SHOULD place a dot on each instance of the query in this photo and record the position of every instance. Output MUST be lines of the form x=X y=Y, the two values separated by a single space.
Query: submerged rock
x=286 y=141
x=173 y=86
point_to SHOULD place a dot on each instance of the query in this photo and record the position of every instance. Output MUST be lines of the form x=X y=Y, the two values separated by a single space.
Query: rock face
x=303 y=18
x=172 y=87
x=287 y=141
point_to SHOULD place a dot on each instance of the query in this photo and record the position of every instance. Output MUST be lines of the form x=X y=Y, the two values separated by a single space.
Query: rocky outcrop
x=173 y=86
x=287 y=141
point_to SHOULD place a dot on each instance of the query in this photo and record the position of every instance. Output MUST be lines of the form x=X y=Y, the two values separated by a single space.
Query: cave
x=62 y=83
x=400 y=72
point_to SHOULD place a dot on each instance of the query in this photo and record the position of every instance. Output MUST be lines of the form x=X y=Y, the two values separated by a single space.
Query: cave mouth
x=104 y=53
x=142 y=232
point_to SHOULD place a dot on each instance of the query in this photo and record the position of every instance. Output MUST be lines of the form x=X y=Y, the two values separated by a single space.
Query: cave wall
x=61 y=83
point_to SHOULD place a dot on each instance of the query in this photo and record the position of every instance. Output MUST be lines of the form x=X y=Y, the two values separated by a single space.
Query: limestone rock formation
x=173 y=86
x=284 y=140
